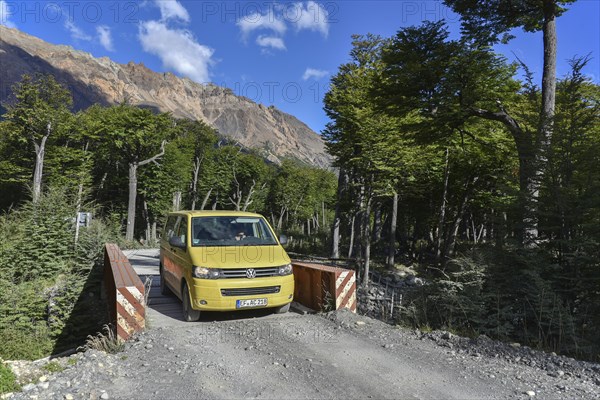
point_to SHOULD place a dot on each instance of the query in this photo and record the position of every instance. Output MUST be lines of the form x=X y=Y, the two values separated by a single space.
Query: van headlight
x=285 y=270
x=206 y=273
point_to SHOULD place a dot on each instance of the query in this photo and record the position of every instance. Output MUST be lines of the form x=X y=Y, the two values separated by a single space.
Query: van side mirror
x=283 y=239
x=176 y=241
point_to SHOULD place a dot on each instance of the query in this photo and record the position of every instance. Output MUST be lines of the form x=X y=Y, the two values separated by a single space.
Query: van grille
x=241 y=272
x=250 y=291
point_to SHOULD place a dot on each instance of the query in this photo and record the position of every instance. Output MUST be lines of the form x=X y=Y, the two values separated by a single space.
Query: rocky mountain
x=100 y=80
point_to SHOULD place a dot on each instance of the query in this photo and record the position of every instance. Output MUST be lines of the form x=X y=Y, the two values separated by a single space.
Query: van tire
x=189 y=314
x=283 y=309
x=164 y=289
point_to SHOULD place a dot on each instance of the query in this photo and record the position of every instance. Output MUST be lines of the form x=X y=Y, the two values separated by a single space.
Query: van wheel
x=164 y=289
x=283 y=309
x=189 y=314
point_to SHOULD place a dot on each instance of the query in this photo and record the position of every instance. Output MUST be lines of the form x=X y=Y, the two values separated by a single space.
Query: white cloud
x=5 y=15
x=75 y=31
x=270 y=41
x=256 y=21
x=172 y=10
x=315 y=74
x=310 y=16
x=177 y=48
x=105 y=37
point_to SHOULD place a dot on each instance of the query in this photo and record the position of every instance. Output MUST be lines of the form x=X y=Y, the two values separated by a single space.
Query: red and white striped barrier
x=345 y=286
x=124 y=293
x=322 y=287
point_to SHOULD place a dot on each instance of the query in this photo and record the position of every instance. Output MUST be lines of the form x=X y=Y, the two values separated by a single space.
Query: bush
x=516 y=296
x=8 y=381
x=49 y=287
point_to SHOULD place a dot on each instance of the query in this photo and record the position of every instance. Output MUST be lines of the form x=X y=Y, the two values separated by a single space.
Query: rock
x=360 y=323
x=28 y=387
x=42 y=378
x=149 y=346
x=388 y=346
x=104 y=396
x=515 y=345
x=530 y=393
x=69 y=396
x=446 y=335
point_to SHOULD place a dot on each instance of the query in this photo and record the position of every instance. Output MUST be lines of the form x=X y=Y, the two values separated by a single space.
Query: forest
x=456 y=162
x=448 y=159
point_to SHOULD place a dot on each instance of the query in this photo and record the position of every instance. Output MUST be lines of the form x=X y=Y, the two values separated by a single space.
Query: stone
x=69 y=396
x=28 y=387
x=42 y=378
x=360 y=323
x=530 y=393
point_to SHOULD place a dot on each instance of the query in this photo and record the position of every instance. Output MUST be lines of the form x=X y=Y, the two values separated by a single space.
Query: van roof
x=215 y=213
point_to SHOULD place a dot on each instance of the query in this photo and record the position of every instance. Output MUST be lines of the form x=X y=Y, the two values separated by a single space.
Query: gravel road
x=338 y=355
x=255 y=354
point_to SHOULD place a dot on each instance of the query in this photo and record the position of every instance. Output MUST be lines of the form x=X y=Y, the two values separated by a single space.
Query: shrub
x=8 y=381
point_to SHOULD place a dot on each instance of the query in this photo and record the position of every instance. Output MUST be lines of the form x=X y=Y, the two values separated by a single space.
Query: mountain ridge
x=274 y=133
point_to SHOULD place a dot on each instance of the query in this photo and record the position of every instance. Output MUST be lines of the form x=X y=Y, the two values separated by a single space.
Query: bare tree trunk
x=132 y=198
x=351 y=247
x=377 y=223
x=366 y=237
x=40 y=150
x=280 y=221
x=177 y=200
x=442 y=218
x=205 y=201
x=147 y=218
x=544 y=136
x=392 y=238
x=79 y=201
x=335 y=230
x=195 y=182
x=154 y=238
x=133 y=166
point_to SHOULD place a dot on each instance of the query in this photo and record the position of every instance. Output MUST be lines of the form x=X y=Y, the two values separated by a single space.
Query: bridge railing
x=124 y=293
x=324 y=287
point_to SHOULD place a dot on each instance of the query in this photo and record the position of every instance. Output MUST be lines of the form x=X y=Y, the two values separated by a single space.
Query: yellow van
x=224 y=261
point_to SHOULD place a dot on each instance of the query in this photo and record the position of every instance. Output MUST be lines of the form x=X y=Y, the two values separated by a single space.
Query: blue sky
x=280 y=53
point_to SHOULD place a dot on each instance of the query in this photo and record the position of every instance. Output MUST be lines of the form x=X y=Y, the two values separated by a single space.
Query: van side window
x=170 y=226
x=182 y=229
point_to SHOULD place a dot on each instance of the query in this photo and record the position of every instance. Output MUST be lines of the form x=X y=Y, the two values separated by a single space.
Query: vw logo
x=250 y=273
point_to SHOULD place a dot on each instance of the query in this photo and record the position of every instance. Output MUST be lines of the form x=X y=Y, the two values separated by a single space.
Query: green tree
x=40 y=109
x=486 y=21
x=134 y=137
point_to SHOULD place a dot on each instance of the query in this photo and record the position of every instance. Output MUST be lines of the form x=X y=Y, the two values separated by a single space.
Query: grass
x=107 y=342
x=72 y=361
x=8 y=381
x=53 y=366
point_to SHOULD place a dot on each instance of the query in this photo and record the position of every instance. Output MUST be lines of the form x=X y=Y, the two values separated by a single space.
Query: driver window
x=182 y=229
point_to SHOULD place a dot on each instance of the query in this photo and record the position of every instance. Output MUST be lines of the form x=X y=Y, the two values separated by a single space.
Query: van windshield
x=231 y=231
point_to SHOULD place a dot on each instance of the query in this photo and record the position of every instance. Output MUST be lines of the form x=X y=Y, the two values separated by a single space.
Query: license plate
x=250 y=303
